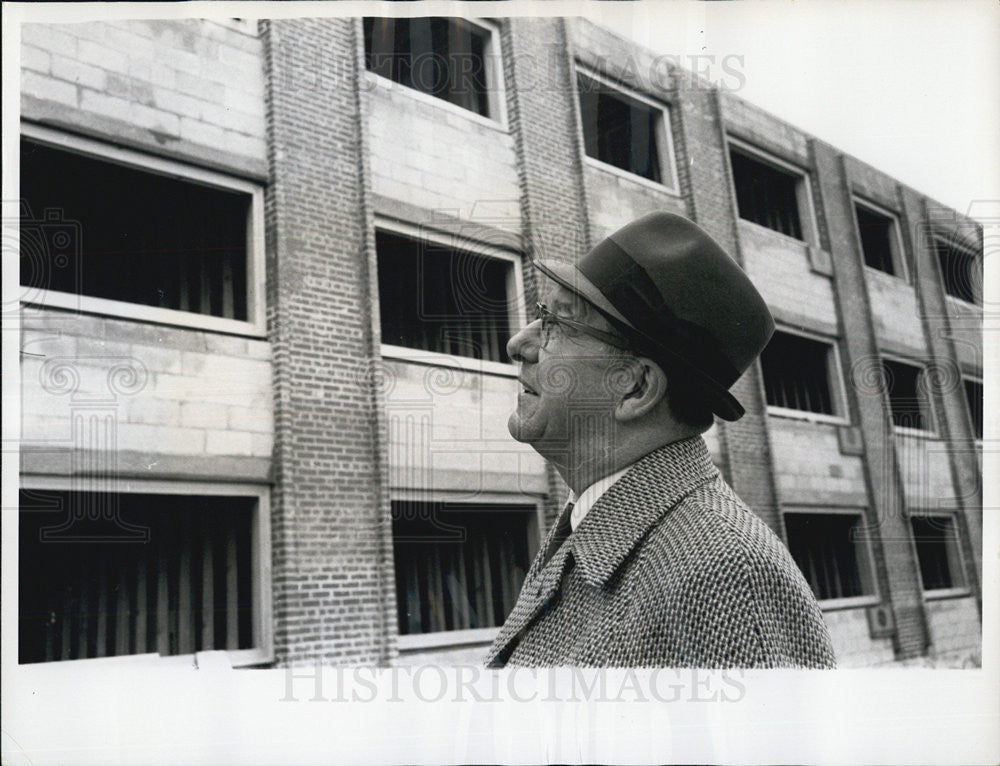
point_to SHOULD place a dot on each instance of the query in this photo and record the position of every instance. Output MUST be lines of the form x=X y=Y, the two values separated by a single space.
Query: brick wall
x=542 y=114
x=330 y=526
x=286 y=107
x=188 y=88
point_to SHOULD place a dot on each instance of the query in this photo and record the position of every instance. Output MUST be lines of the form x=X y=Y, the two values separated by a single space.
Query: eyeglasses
x=550 y=321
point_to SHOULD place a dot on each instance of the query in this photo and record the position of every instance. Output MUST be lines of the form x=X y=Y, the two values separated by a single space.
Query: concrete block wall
x=955 y=629
x=895 y=315
x=852 y=641
x=331 y=532
x=184 y=88
x=620 y=59
x=764 y=130
x=260 y=107
x=183 y=403
x=925 y=469
x=780 y=268
x=811 y=468
x=614 y=201
x=431 y=155
x=872 y=184
x=448 y=432
x=965 y=323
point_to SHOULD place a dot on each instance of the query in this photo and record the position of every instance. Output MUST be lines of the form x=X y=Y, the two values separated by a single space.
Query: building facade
x=267 y=274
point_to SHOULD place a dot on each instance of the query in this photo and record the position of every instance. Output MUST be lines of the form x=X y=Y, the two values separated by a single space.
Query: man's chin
x=519 y=429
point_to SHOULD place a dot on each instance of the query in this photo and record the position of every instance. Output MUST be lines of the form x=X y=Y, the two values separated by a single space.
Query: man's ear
x=649 y=387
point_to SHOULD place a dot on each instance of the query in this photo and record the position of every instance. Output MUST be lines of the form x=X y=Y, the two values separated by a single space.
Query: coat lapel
x=541 y=584
x=608 y=533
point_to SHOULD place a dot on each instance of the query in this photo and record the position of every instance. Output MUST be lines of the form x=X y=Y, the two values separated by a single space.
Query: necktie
x=563 y=530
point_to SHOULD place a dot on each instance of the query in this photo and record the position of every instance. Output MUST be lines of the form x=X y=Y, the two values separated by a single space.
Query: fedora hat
x=672 y=291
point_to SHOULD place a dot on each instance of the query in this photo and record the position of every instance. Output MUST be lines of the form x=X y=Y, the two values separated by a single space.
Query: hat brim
x=717 y=396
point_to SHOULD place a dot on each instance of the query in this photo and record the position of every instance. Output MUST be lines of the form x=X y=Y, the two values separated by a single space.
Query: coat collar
x=623 y=515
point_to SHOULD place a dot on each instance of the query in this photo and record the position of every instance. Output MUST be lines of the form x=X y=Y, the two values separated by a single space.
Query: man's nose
x=523 y=347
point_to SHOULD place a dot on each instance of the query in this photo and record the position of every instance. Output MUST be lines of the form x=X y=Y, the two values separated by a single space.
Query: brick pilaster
x=541 y=108
x=943 y=328
x=745 y=444
x=328 y=520
x=898 y=572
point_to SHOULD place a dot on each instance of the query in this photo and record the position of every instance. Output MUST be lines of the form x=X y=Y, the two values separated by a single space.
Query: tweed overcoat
x=669 y=568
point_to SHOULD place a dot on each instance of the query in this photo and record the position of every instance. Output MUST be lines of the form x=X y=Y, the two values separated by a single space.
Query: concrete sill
x=914 y=432
x=754 y=228
x=946 y=593
x=812 y=417
x=631 y=177
x=446 y=639
x=854 y=602
x=466 y=364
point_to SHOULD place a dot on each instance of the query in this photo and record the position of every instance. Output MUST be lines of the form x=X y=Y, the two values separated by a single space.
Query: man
x=654 y=561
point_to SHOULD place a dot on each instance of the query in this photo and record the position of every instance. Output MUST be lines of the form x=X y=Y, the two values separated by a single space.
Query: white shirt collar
x=589 y=496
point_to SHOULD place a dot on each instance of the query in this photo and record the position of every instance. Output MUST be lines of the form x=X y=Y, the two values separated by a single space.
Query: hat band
x=632 y=291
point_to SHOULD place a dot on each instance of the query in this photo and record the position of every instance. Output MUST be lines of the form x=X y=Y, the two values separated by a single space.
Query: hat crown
x=698 y=282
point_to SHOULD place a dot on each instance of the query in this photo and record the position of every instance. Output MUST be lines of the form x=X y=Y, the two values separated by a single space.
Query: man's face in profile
x=564 y=373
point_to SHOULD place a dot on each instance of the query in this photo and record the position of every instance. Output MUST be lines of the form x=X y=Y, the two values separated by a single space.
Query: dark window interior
x=766 y=195
x=618 y=131
x=795 y=373
x=102 y=575
x=97 y=228
x=438 y=56
x=826 y=552
x=974 y=398
x=436 y=298
x=458 y=566
x=905 y=399
x=876 y=239
x=934 y=535
x=960 y=270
